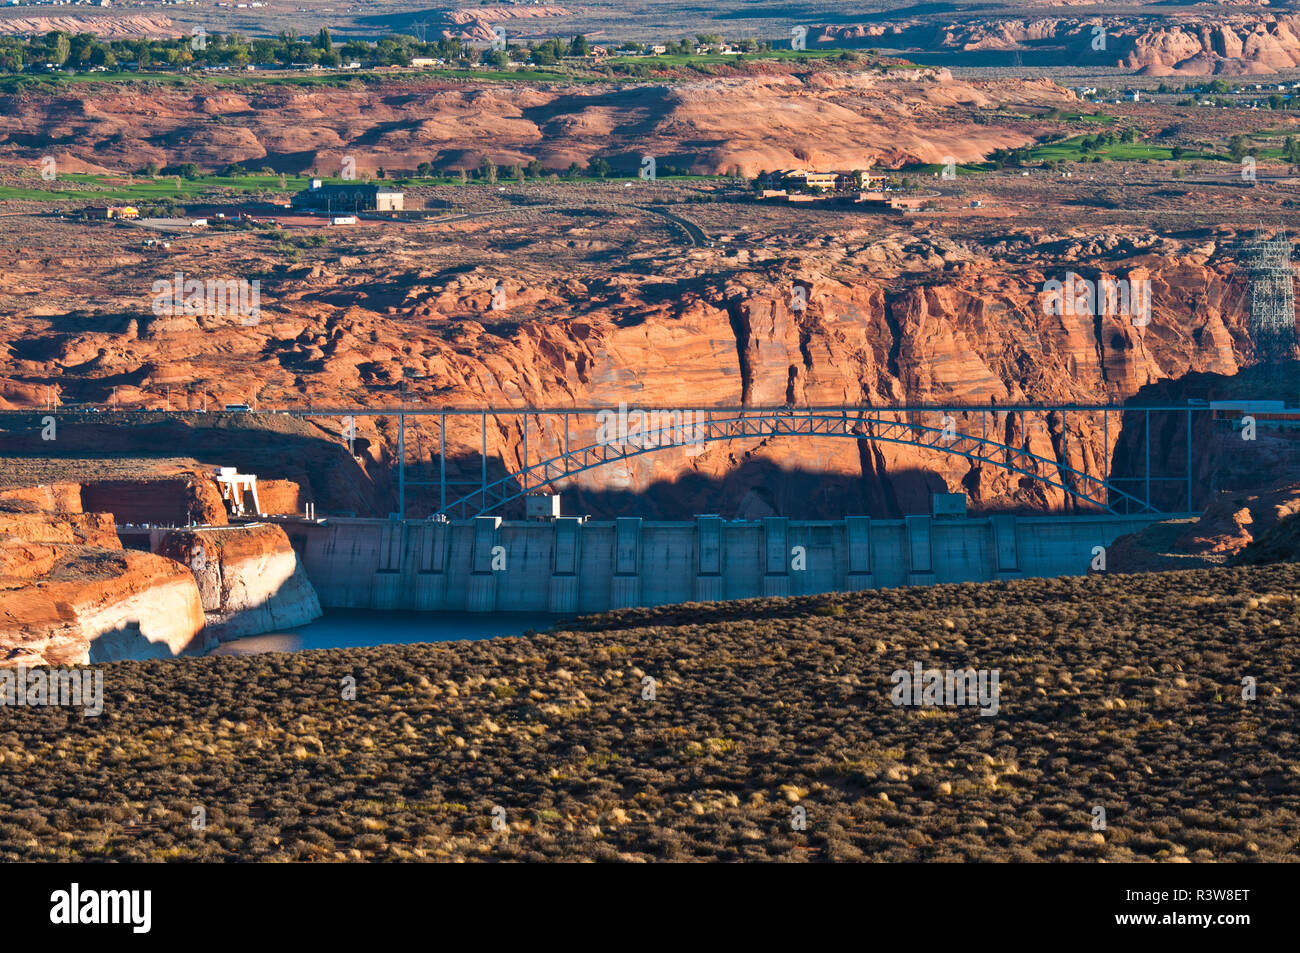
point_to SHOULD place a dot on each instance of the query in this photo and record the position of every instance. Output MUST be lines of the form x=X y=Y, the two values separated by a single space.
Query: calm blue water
x=349 y=628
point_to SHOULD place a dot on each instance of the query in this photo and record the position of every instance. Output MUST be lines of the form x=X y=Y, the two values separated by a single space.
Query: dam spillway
x=575 y=565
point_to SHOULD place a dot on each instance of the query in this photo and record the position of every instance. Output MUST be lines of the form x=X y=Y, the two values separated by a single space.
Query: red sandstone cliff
x=249 y=578
x=974 y=332
x=69 y=594
x=909 y=316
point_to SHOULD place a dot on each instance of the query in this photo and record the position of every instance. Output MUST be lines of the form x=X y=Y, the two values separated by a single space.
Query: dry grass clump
x=1121 y=692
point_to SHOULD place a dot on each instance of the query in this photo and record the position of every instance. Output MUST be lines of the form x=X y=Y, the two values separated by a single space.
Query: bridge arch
x=1083 y=486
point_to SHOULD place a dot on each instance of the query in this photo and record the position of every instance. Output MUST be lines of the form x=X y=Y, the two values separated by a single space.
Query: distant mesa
x=1192 y=45
x=128 y=26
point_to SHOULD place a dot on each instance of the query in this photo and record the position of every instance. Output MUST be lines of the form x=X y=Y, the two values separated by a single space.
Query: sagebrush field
x=1119 y=692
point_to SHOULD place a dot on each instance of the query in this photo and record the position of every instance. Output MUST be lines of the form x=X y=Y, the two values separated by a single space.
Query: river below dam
x=355 y=628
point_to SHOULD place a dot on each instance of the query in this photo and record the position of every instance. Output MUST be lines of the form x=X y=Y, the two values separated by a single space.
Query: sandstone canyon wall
x=69 y=594
x=249 y=578
x=921 y=322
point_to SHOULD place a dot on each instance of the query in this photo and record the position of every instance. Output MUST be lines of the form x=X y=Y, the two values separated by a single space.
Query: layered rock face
x=974 y=332
x=249 y=579
x=280 y=497
x=901 y=318
x=69 y=594
x=188 y=498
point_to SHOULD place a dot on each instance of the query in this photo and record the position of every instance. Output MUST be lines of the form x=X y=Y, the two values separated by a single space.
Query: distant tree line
x=491 y=173
x=488 y=172
x=85 y=51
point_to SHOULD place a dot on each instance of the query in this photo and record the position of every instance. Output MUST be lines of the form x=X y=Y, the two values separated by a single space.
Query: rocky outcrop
x=475 y=24
x=1237 y=527
x=249 y=578
x=1184 y=44
x=180 y=499
x=1280 y=544
x=183 y=499
x=61 y=498
x=69 y=594
x=281 y=497
x=115 y=27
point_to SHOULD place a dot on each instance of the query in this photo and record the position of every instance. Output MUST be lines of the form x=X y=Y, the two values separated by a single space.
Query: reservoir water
x=350 y=628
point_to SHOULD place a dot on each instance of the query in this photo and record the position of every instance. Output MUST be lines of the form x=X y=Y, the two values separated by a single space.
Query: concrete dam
x=575 y=565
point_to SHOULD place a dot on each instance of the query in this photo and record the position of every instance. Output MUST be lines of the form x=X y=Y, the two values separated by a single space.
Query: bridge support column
x=1004 y=546
x=920 y=555
x=708 y=549
x=482 y=596
x=625 y=587
x=564 y=571
x=776 y=539
x=857 y=539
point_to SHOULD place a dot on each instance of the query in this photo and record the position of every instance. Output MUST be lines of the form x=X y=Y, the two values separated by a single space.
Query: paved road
x=688 y=229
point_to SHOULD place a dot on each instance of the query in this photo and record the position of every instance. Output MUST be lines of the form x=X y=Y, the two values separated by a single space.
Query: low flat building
x=112 y=211
x=350 y=197
x=794 y=179
x=861 y=179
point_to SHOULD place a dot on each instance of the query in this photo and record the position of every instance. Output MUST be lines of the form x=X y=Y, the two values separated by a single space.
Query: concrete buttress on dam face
x=570 y=565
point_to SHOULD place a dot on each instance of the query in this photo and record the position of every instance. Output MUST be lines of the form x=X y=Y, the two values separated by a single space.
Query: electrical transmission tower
x=1272 y=297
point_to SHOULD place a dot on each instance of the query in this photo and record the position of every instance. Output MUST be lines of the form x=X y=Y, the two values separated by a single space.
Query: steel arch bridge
x=686 y=429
